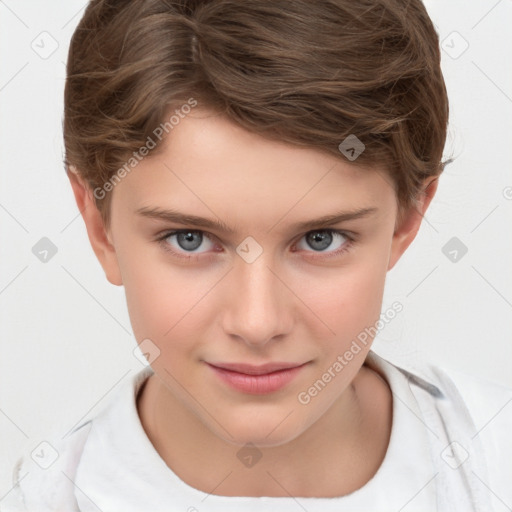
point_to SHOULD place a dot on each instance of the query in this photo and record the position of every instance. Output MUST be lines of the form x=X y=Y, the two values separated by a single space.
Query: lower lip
x=257 y=384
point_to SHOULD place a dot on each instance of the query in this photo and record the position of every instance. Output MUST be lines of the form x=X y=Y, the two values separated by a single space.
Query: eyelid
x=168 y=232
x=344 y=232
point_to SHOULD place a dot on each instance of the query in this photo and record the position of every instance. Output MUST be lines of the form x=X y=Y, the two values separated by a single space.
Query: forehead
x=209 y=163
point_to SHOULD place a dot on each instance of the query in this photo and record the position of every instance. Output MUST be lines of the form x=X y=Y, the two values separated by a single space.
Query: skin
x=291 y=304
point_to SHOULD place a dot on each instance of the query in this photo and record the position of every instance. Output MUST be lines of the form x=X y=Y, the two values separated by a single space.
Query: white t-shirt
x=450 y=449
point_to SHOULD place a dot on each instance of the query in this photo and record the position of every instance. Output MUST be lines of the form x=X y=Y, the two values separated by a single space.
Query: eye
x=185 y=242
x=320 y=239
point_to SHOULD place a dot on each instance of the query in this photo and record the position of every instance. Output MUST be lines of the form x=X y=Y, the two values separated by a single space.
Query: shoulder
x=484 y=400
x=489 y=406
x=489 y=402
x=43 y=480
x=471 y=418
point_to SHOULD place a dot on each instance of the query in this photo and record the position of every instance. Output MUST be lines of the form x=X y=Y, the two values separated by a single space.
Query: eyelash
x=347 y=246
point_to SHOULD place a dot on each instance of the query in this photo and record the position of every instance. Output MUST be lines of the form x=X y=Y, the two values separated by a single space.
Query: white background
x=65 y=334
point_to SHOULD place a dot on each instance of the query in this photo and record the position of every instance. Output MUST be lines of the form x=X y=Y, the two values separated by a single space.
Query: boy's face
x=265 y=292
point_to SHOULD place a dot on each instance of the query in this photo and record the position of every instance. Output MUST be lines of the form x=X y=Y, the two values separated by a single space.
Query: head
x=239 y=112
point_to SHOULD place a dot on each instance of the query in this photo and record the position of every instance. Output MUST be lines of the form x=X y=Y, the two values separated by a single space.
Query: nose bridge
x=259 y=309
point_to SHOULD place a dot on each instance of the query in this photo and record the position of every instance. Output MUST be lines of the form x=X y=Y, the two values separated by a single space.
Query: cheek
x=344 y=300
x=163 y=300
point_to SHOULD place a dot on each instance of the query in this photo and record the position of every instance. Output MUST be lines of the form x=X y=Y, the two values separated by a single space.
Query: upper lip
x=250 y=369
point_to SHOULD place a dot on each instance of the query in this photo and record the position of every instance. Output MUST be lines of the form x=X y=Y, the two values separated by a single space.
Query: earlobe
x=410 y=223
x=98 y=236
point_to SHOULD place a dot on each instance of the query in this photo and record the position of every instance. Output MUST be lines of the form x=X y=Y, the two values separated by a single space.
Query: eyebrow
x=218 y=225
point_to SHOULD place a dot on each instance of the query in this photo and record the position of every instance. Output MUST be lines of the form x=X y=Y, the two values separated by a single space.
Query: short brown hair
x=306 y=72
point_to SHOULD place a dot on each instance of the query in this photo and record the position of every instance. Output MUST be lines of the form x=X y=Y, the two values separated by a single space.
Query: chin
x=264 y=433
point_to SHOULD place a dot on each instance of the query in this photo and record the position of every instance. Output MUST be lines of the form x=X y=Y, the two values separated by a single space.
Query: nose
x=259 y=307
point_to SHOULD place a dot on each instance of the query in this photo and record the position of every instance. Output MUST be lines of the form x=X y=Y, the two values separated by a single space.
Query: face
x=261 y=286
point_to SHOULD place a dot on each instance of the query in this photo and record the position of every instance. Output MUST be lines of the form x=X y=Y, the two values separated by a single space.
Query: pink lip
x=257 y=380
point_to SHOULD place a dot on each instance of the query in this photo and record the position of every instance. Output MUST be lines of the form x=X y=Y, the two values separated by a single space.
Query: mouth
x=263 y=369
x=257 y=380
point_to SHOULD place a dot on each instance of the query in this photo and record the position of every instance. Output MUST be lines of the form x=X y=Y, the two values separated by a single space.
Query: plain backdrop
x=65 y=334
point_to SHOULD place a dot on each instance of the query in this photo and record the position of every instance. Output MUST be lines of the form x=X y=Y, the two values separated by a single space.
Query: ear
x=98 y=235
x=407 y=228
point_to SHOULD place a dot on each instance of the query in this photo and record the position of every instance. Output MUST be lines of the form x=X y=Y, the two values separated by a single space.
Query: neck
x=336 y=455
